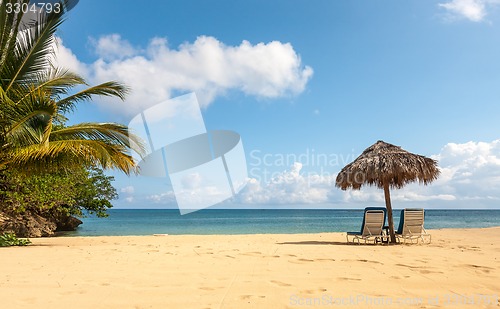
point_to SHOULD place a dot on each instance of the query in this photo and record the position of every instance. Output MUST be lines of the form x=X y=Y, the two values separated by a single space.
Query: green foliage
x=8 y=240
x=47 y=166
x=35 y=97
x=57 y=193
x=95 y=193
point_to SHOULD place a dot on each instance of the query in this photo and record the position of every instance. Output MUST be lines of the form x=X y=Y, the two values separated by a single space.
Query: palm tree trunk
x=389 y=212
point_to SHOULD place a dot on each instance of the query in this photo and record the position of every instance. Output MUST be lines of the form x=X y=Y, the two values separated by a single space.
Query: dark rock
x=27 y=225
x=67 y=223
x=34 y=225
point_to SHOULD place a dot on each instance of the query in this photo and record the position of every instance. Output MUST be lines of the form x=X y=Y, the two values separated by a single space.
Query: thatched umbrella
x=386 y=165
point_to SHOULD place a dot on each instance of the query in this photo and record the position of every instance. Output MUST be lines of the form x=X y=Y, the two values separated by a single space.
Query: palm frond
x=32 y=48
x=34 y=97
x=9 y=25
x=29 y=122
x=56 y=81
x=112 y=133
x=109 y=89
x=88 y=152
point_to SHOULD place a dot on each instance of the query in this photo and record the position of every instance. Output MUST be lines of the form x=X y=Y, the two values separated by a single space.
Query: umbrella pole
x=389 y=212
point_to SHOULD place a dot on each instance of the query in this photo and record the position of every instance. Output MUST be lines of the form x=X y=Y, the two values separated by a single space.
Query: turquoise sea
x=246 y=221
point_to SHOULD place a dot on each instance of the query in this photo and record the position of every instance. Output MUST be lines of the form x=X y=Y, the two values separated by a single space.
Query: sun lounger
x=371 y=228
x=411 y=226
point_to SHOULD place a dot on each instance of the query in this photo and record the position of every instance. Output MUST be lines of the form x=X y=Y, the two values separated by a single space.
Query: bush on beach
x=9 y=239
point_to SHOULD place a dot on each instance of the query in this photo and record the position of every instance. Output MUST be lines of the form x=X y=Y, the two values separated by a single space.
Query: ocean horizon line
x=262 y=221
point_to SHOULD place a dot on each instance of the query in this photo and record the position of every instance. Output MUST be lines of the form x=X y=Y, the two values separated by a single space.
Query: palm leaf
x=56 y=81
x=78 y=151
x=33 y=105
x=110 y=132
x=33 y=47
x=30 y=121
x=109 y=89
x=9 y=25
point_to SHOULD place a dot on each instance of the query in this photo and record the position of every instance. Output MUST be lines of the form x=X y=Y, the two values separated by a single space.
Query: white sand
x=252 y=271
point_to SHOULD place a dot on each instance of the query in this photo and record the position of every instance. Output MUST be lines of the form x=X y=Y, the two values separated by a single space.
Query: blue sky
x=312 y=78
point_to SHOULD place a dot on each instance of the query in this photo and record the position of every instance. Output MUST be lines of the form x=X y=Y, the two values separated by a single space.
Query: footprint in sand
x=408 y=266
x=368 y=261
x=321 y=290
x=469 y=248
x=361 y=260
x=305 y=260
x=484 y=269
x=299 y=261
x=348 y=279
x=422 y=269
x=255 y=253
x=247 y=297
x=307 y=292
x=280 y=283
x=425 y=272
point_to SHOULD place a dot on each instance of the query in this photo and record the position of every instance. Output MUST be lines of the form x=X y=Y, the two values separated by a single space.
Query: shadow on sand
x=312 y=242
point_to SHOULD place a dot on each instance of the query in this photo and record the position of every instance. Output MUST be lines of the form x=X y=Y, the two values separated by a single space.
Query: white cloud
x=113 y=47
x=194 y=196
x=470 y=178
x=129 y=193
x=65 y=58
x=162 y=198
x=206 y=66
x=289 y=187
x=128 y=190
x=471 y=170
x=192 y=181
x=473 y=10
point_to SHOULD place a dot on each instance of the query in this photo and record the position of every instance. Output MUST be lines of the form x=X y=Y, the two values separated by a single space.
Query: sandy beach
x=460 y=268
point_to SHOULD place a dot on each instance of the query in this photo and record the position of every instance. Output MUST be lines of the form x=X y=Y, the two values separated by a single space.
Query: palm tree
x=35 y=96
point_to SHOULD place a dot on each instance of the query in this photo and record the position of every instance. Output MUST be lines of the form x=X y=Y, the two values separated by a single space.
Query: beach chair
x=411 y=226
x=371 y=228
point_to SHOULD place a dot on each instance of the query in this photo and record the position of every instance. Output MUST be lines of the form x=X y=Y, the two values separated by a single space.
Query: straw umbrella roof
x=386 y=163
